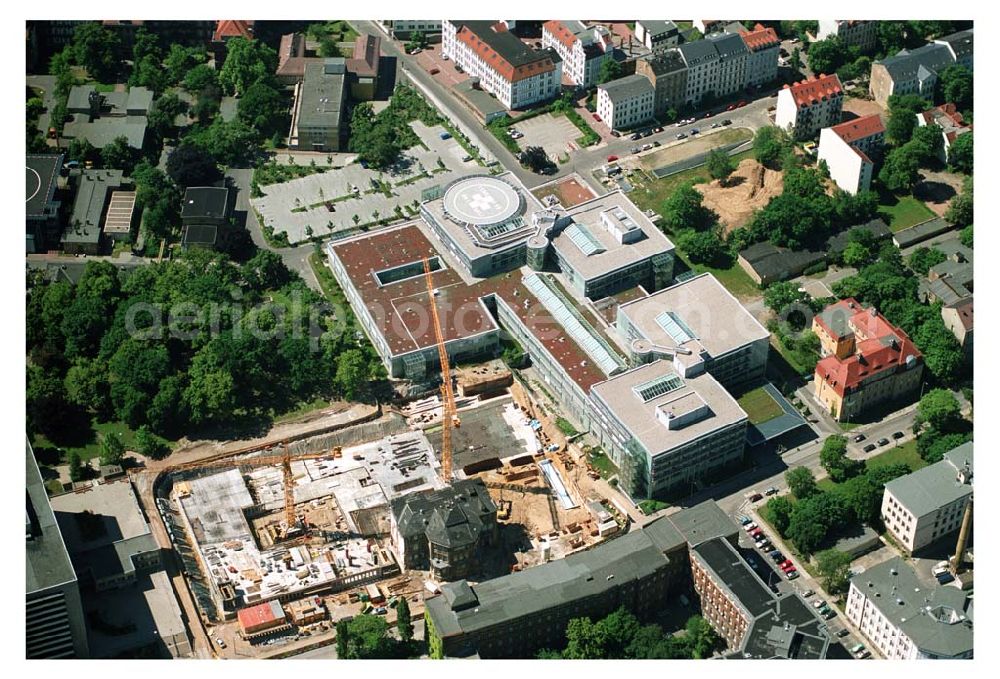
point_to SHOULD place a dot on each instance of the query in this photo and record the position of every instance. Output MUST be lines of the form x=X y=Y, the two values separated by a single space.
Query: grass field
x=603 y=464
x=91 y=449
x=759 y=405
x=905 y=453
x=902 y=213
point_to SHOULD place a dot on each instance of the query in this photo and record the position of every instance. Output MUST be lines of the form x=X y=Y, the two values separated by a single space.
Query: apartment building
x=916 y=71
x=698 y=326
x=850 y=32
x=867 y=361
x=958 y=317
x=733 y=56
x=443 y=531
x=951 y=123
x=657 y=36
x=851 y=151
x=404 y=29
x=928 y=504
x=668 y=74
x=582 y=49
x=754 y=620
x=907 y=620
x=515 y=74
x=54 y=620
x=320 y=102
x=808 y=106
x=701 y=60
x=516 y=615
x=764 y=48
x=626 y=102
x=666 y=433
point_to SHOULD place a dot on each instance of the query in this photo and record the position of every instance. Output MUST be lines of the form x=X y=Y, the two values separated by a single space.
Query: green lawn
x=603 y=464
x=759 y=405
x=905 y=453
x=901 y=213
x=735 y=280
x=93 y=448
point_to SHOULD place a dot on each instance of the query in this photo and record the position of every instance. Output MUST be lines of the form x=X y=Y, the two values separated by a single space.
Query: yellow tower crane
x=448 y=416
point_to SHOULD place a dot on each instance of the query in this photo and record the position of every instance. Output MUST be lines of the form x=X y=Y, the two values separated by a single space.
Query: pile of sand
x=748 y=189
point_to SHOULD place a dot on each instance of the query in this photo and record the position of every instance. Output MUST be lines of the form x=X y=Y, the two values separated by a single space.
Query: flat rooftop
x=119 y=216
x=116 y=506
x=484 y=213
x=321 y=96
x=40 y=183
x=605 y=220
x=717 y=322
x=663 y=410
x=47 y=563
x=148 y=609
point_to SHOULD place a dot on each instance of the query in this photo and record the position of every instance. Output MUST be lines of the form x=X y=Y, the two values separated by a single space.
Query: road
x=584 y=161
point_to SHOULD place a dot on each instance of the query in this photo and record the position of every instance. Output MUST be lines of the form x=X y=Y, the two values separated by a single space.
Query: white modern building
x=515 y=74
x=923 y=507
x=405 y=28
x=851 y=150
x=582 y=49
x=850 y=32
x=657 y=35
x=626 y=102
x=904 y=619
x=810 y=105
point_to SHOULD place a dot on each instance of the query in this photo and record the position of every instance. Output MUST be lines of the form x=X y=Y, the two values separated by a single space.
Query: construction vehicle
x=448 y=417
x=292 y=528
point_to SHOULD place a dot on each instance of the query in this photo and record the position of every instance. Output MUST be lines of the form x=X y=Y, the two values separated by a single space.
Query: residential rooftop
x=663 y=410
x=629 y=87
x=919 y=63
x=717 y=322
x=938 y=485
x=813 y=90
x=859 y=128
x=504 y=51
x=761 y=37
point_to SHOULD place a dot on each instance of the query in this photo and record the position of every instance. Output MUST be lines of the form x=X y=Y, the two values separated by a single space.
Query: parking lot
x=327 y=203
x=556 y=134
x=430 y=58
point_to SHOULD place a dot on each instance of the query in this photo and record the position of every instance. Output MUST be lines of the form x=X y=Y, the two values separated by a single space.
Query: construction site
x=279 y=542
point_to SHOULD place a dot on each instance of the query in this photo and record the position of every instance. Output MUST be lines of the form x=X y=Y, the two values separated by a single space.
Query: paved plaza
x=556 y=134
x=327 y=202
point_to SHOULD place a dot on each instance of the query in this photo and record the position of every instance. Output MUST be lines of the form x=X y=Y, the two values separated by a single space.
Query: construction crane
x=448 y=417
x=284 y=460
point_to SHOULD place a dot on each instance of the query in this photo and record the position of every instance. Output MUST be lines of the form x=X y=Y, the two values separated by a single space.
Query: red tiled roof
x=233 y=28
x=859 y=128
x=881 y=346
x=560 y=32
x=366 y=56
x=506 y=69
x=809 y=91
x=761 y=37
x=256 y=616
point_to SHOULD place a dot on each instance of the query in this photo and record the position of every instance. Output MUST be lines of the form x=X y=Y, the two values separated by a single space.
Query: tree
x=191 y=165
x=609 y=70
x=87 y=385
x=365 y=637
x=112 y=449
x=403 y=624
x=927 y=143
x=267 y=271
x=834 y=568
x=149 y=445
x=162 y=114
x=97 y=49
x=769 y=145
x=783 y=294
x=705 y=247
x=181 y=62
x=923 y=258
x=901 y=170
x=201 y=77
x=856 y=254
x=795 y=61
x=263 y=108
x=685 y=209
x=903 y=110
x=119 y=155
x=585 y=640
x=247 y=62
x=965 y=236
x=780 y=509
x=77 y=470
x=960 y=153
x=834 y=459
x=939 y=409
x=700 y=636
x=813 y=518
x=801 y=482
x=535 y=159
x=720 y=166
x=81 y=150
x=352 y=374
x=827 y=56
x=955 y=86
x=960 y=211
x=147 y=62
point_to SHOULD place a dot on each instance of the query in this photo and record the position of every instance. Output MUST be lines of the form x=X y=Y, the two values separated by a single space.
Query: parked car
x=731 y=107
x=656 y=143
x=883 y=442
x=788 y=569
x=657 y=130
x=635 y=149
x=612 y=159
x=727 y=121
x=808 y=593
x=635 y=136
x=819 y=603
x=715 y=125
x=897 y=435
x=597 y=117
x=777 y=556
x=749 y=526
x=791 y=575
x=220 y=642
x=864 y=654
x=829 y=613
x=843 y=633
x=755 y=532
x=740 y=104
x=856 y=648
x=615 y=133
x=869 y=448
x=744 y=520
x=771 y=491
x=765 y=546
x=755 y=497
x=435 y=70
x=681 y=135
x=859 y=438
x=695 y=130
x=646 y=147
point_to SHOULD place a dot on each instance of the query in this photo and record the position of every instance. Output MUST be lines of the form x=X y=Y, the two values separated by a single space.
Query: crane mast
x=447 y=396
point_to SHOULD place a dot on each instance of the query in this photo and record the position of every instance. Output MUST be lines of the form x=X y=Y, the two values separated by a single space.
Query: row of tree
x=620 y=635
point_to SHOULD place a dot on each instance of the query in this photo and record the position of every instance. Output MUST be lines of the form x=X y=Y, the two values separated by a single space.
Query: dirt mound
x=749 y=188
